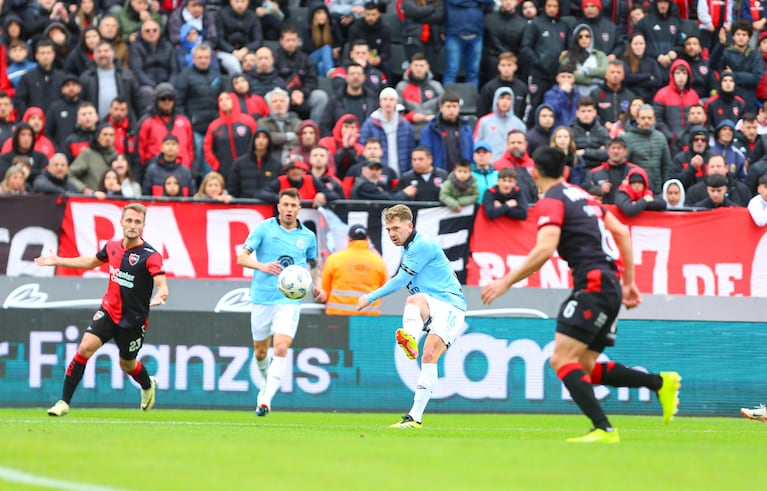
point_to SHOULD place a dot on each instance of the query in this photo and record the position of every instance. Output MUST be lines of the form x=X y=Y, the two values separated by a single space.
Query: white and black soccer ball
x=294 y=282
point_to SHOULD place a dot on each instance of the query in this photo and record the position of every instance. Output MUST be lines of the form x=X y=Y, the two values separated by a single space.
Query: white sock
x=426 y=382
x=411 y=320
x=263 y=366
x=273 y=380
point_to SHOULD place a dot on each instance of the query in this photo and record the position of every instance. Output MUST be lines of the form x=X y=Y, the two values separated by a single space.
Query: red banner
x=719 y=252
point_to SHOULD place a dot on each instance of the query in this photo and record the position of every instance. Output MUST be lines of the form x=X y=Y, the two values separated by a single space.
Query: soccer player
x=576 y=225
x=436 y=303
x=135 y=268
x=278 y=243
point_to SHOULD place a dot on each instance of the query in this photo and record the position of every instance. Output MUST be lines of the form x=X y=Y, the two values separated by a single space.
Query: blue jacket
x=564 y=104
x=465 y=16
x=431 y=137
x=405 y=139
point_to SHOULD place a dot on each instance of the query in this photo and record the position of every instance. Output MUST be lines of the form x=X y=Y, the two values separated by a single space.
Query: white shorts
x=446 y=320
x=266 y=320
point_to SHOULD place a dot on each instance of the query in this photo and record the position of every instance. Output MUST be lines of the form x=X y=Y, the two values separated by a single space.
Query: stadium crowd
x=656 y=104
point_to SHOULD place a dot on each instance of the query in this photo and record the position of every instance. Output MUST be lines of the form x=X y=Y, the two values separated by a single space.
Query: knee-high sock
x=273 y=380
x=617 y=375
x=426 y=382
x=140 y=375
x=263 y=366
x=411 y=320
x=582 y=392
x=73 y=376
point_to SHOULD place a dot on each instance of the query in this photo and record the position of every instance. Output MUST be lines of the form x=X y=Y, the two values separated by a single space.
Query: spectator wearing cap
x=610 y=175
x=635 y=195
x=369 y=185
x=723 y=144
x=281 y=124
x=716 y=193
x=757 y=207
x=162 y=120
x=482 y=168
x=86 y=170
x=61 y=115
x=737 y=192
x=449 y=136
x=354 y=271
x=295 y=175
x=252 y=174
x=393 y=130
x=152 y=61
x=166 y=163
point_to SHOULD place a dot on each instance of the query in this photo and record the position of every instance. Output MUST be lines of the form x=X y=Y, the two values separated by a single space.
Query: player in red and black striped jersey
x=135 y=269
x=594 y=244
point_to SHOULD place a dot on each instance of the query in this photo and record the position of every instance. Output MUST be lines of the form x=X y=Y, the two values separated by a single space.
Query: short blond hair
x=398 y=211
x=137 y=207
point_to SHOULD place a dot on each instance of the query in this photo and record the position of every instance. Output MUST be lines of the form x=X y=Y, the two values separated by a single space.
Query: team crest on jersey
x=241 y=130
x=428 y=94
x=605 y=37
x=301 y=244
x=672 y=29
x=438 y=181
x=375 y=79
x=98 y=315
x=703 y=69
x=133 y=259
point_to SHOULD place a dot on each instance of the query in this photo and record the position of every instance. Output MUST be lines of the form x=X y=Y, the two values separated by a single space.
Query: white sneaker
x=61 y=408
x=147 y=395
x=759 y=413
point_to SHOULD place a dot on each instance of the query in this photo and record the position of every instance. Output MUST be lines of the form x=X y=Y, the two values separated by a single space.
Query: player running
x=582 y=231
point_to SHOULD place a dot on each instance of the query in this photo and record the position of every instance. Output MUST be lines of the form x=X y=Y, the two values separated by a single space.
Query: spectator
x=747 y=139
x=109 y=185
x=757 y=206
x=352 y=272
x=377 y=35
x=59 y=35
x=563 y=97
x=300 y=75
x=41 y=85
x=118 y=118
x=449 y=135
x=643 y=74
x=228 y=136
x=612 y=173
x=129 y=186
x=506 y=198
x=322 y=39
x=7 y=117
x=724 y=104
x=610 y=38
x=741 y=59
x=464 y=28
x=249 y=103
x=461 y=188
x=352 y=98
x=61 y=115
x=635 y=196
x=162 y=120
x=331 y=187
x=420 y=93
x=736 y=191
x=540 y=134
x=252 y=174
x=395 y=133
x=165 y=164
x=344 y=12
x=110 y=31
x=673 y=194
x=295 y=175
x=343 y=145
x=191 y=37
x=544 y=40
x=281 y=124
x=133 y=15
x=265 y=77
x=193 y=12
x=482 y=169
x=688 y=165
x=589 y=63
x=369 y=185
x=54 y=179
x=517 y=157
x=648 y=148
x=713 y=16
x=371 y=151
x=562 y=138
x=84 y=132
x=493 y=127
x=716 y=193
x=18 y=62
x=422 y=26
x=507 y=71
x=213 y=188
x=612 y=98
x=239 y=31
x=109 y=80
x=723 y=144
x=152 y=61
x=171 y=187
x=589 y=135
x=15 y=182
x=308 y=136
x=424 y=177
x=359 y=53
x=36 y=119
x=504 y=29
x=86 y=170
x=662 y=31
x=696 y=116
x=23 y=145
x=703 y=76
x=272 y=13
x=672 y=102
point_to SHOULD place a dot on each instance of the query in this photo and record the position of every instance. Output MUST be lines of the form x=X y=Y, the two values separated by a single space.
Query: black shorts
x=128 y=339
x=590 y=312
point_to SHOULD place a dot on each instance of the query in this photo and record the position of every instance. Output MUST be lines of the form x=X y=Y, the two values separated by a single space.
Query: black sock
x=582 y=392
x=617 y=375
x=140 y=375
x=74 y=374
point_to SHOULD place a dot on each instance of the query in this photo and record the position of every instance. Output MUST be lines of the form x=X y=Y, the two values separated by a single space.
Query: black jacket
x=197 y=96
x=127 y=88
x=152 y=65
x=296 y=69
x=38 y=88
x=250 y=179
x=238 y=31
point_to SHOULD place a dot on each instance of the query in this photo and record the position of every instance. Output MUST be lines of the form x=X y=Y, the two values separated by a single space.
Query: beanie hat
x=598 y=3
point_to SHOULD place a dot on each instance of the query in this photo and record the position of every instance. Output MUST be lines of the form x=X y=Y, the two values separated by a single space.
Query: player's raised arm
x=620 y=232
x=80 y=262
x=161 y=284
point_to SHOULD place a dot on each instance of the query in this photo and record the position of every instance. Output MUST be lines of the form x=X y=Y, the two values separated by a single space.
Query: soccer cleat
x=147 y=395
x=407 y=342
x=597 y=435
x=407 y=423
x=668 y=394
x=262 y=410
x=61 y=408
x=759 y=413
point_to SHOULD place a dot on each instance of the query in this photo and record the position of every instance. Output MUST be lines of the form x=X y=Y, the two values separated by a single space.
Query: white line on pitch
x=20 y=477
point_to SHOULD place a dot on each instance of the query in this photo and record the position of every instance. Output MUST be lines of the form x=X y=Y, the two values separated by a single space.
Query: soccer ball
x=294 y=282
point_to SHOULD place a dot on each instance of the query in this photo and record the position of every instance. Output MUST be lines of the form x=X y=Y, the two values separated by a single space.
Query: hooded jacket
x=301 y=151
x=155 y=126
x=631 y=202
x=666 y=185
x=251 y=177
x=341 y=159
x=736 y=161
x=724 y=105
x=38 y=160
x=227 y=138
x=537 y=136
x=42 y=143
x=591 y=71
x=405 y=139
x=495 y=126
x=671 y=103
x=680 y=165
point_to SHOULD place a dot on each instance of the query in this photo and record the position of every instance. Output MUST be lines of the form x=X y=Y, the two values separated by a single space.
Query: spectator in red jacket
x=672 y=102
x=164 y=119
x=36 y=119
x=228 y=136
x=343 y=147
x=250 y=103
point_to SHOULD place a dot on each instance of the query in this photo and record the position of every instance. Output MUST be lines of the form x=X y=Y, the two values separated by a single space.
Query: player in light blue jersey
x=436 y=303
x=277 y=242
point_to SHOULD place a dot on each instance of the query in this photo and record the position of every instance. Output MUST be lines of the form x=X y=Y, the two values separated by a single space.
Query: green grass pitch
x=233 y=450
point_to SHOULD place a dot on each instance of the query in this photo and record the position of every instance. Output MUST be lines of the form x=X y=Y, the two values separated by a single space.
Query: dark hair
x=742 y=25
x=373 y=139
x=763 y=179
x=290 y=192
x=549 y=162
x=587 y=100
x=463 y=163
x=358 y=42
x=45 y=42
x=508 y=172
x=418 y=57
x=423 y=149
x=749 y=117
x=450 y=96
x=288 y=29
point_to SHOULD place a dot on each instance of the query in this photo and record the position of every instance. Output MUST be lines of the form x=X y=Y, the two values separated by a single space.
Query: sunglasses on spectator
x=166 y=98
x=151 y=29
x=699 y=139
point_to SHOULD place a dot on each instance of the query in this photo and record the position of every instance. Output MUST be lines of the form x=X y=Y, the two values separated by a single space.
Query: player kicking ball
x=573 y=223
x=135 y=269
x=436 y=304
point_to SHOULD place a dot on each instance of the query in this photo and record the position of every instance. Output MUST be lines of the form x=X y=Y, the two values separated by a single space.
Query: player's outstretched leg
x=407 y=342
x=74 y=374
x=759 y=413
x=582 y=392
x=271 y=386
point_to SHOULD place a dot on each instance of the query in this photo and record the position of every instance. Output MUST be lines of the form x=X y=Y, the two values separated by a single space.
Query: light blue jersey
x=271 y=242
x=424 y=269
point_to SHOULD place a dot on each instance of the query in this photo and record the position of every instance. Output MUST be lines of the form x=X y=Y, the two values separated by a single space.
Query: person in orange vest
x=352 y=272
